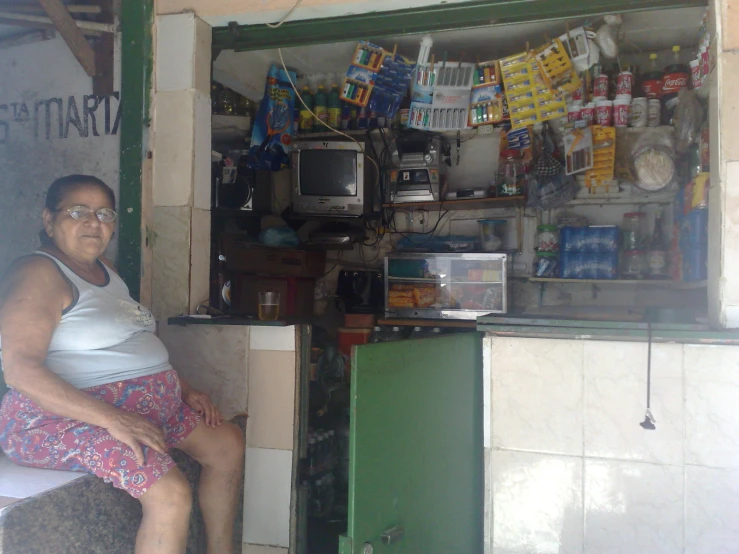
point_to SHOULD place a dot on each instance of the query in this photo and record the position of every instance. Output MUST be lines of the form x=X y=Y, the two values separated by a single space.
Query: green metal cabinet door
x=416 y=448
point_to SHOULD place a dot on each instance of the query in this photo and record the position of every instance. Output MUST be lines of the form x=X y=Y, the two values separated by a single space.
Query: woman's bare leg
x=167 y=506
x=220 y=451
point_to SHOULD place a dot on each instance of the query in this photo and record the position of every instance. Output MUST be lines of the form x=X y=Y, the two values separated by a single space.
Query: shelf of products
x=585 y=200
x=463 y=204
x=445 y=286
x=676 y=285
x=333 y=134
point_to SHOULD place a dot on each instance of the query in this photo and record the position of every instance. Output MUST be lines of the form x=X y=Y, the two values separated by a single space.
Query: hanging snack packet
x=271 y=138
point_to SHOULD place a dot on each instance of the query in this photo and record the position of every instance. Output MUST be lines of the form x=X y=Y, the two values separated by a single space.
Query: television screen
x=328 y=172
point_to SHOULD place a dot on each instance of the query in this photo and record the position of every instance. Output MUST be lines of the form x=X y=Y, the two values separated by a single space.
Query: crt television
x=328 y=178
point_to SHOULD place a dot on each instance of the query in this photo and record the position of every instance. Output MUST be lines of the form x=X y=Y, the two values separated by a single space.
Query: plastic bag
x=283 y=237
x=606 y=39
x=653 y=156
x=548 y=185
x=688 y=120
x=271 y=138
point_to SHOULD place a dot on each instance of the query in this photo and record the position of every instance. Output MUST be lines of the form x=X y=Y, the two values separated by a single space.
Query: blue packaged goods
x=271 y=138
x=694 y=229
x=572 y=265
x=588 y=265
x=596 y=239
x=572 y=239
x=606 y=238
x=391 y=85
x=695 y=266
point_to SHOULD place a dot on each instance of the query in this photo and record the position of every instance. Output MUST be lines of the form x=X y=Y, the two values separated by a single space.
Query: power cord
x=285 y=18
x=316 y=118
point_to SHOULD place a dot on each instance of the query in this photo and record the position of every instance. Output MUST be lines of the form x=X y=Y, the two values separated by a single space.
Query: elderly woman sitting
x=91 y=387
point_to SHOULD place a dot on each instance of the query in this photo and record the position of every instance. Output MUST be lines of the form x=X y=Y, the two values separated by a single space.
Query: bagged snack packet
x=271 y=137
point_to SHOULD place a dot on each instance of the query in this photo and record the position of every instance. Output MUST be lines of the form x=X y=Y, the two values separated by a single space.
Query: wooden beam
x=27 y=20
x=71 y=33
x=102 y=82
x=49 y=26
x=71 y=8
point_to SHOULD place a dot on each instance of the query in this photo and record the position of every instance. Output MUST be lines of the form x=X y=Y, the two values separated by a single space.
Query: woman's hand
x=135 y=430
x=201 y=403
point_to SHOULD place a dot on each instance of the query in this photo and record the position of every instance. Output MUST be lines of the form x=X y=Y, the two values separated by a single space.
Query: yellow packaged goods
x=604 y=156
x=529 y=98
x=556 y=67
x=412 y=296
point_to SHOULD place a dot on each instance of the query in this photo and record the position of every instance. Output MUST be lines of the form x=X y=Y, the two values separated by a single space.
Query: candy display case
x=445 y=286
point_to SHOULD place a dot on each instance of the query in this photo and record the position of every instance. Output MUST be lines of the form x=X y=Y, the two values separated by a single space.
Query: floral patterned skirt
x=29 y=436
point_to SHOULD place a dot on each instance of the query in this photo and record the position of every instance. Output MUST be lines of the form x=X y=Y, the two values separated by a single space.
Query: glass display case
x=445 y=286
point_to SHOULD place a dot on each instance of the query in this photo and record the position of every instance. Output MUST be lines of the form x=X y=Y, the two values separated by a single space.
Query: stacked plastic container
x=589 y=252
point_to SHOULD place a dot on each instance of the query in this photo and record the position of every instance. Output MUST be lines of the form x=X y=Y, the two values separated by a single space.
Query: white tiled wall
x=270 y=439
x=570 y=469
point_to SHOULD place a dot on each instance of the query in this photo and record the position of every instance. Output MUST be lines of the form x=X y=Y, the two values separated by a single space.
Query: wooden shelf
x=677 y=285
x=443 y=323
x=463 y=204
x=624 y=200
x=331 y=134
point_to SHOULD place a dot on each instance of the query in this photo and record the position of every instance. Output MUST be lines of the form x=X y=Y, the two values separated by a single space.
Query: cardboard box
x=296 y=294
x=360 y=321
x=247 y=257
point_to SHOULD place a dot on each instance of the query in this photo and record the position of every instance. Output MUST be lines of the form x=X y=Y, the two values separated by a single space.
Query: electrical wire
x=316 y=118
x=287 y=15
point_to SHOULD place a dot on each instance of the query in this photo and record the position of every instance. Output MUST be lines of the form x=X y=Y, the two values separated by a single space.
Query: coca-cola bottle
x=652 y=81
x=675 y=79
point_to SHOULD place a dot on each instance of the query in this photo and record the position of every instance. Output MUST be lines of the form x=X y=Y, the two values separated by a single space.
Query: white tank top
x=104 y=336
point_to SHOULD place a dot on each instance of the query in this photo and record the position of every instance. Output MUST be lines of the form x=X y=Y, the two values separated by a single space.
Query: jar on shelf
x=548 y=238
x=634 y=230
x=634 y=264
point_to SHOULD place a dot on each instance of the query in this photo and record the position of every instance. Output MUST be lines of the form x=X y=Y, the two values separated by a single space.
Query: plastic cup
x=269 y=306
x=624 y=82
x=604 y=113
x=600 y=85
x=574 y=112
x=621 y=111
x=695 y=73
x=588 y=113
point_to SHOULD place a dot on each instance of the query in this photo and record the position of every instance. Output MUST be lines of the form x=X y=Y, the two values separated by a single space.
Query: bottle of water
x=417 y=333
x=395 y=334
x=312 y=459
x=377 y=335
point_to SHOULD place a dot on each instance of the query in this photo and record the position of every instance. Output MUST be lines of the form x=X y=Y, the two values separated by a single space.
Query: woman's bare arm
x=33 y=298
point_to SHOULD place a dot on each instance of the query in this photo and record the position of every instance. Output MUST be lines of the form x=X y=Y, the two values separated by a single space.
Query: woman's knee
x=171 y=493
x=233 y=444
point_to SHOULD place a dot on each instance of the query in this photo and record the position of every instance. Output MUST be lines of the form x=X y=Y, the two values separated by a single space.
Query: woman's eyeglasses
x=105 y=215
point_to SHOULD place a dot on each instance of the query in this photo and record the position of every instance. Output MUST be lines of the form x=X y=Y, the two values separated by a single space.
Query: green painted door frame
x=436 y=17
x=136 y=67
x=136 y=62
